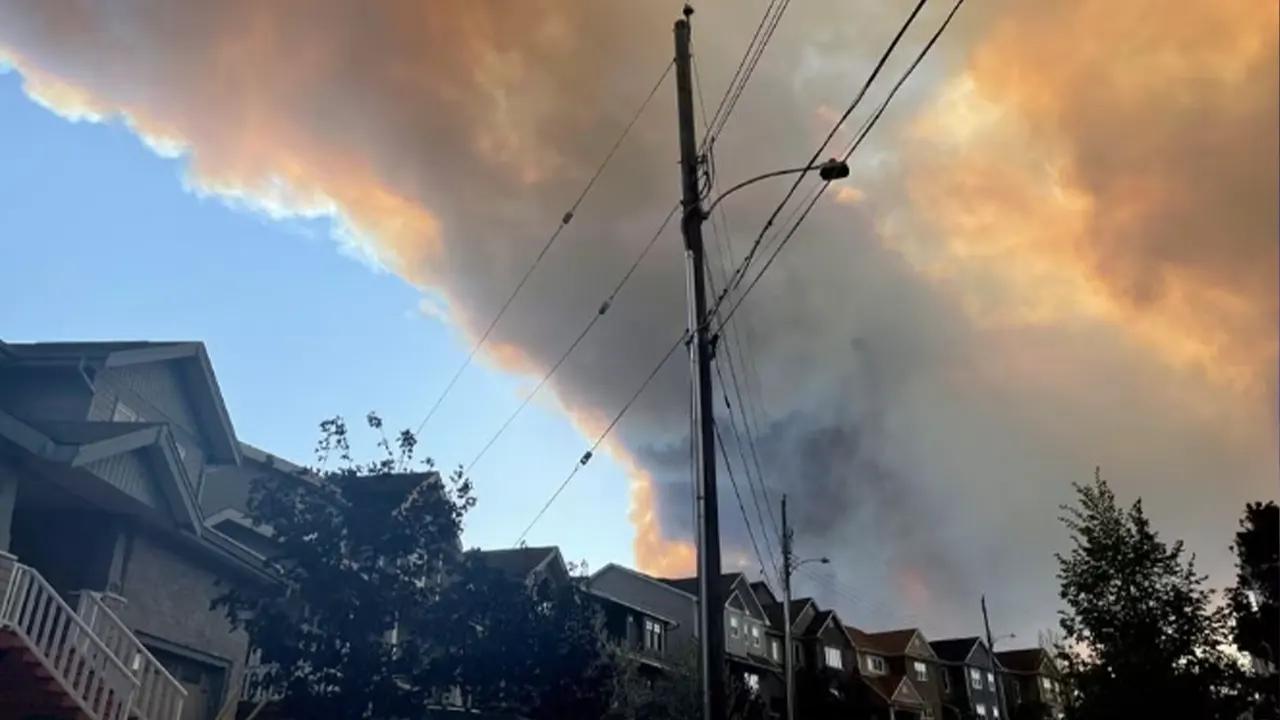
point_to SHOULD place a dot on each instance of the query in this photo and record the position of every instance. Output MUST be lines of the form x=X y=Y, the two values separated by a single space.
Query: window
x=991 y=681
x=981 y=710
x=123 y=413
x=653 y=635
x=946 y=680
x=832 y=656
x=875 y=664
x=926 y=714
x=995 y=711
x=922 y=671
x=755 y=635
x=733 y=626
x=775 y=650
x=752 y=681
x=1046 y=684
x=975 y=678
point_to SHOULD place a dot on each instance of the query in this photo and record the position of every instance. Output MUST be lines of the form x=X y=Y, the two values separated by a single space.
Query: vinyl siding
x=130 y=473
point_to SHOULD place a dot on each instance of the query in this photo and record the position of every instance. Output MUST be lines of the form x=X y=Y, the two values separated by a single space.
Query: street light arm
x=829 y=170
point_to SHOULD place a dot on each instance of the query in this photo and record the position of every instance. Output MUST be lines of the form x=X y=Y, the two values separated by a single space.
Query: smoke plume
x=1058 y=249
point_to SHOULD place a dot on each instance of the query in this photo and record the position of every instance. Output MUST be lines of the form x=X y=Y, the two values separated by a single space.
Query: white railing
x=64 y=643
x=159 y=695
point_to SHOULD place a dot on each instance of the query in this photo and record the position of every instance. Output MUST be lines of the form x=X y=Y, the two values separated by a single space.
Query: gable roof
x=763 y=594
x=656 y=582
x=205 y=396
x=955 y=650
x=890 y=642
x=775 y=614
x=74 y=445
x=689 y=585
x=1026 y=660
x=519 y=563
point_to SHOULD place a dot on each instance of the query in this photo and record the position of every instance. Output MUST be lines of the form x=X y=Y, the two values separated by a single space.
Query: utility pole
x=710 y=603
x=995 y=672
x=788 y=670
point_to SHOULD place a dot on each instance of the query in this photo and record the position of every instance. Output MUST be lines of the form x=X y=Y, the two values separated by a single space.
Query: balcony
x=74 y=663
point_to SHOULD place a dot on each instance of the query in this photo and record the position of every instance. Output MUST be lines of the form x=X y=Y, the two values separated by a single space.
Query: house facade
x=105 y=450
x=903 y=669
x=1032 y=683
x=969 y=679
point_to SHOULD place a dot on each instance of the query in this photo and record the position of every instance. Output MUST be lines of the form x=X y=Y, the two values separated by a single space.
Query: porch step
x=26 y=693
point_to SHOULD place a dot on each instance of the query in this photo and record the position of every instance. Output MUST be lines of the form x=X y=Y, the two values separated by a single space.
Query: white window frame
x=734 y=628
x=921 y=670
x=832 y=657
x=995 y=712
x=654 y=635
x=775 y=649
x=991 y=680
x=975 y=678
x=755 y=635
x=876 y=664
x=981 y=709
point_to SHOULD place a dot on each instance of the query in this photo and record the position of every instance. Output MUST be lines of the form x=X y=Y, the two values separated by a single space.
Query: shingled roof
x=1027 y=660
x=954 y=650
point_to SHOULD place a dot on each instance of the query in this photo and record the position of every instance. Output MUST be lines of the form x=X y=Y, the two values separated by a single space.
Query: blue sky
x=100 y=240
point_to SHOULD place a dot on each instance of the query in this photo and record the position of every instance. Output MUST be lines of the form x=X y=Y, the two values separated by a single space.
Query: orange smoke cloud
x=1080 y=169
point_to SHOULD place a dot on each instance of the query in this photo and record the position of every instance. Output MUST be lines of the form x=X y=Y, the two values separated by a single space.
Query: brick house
x=108 y=566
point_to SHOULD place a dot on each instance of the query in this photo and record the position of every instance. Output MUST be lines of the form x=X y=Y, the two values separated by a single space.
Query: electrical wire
x=724 y=455
x=854 y=145
x=740 y=271
x=564 y=222
x=586 y=457
x=600 y=313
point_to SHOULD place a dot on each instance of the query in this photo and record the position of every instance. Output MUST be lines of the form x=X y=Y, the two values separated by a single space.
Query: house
x=107 y=563
x=902 y=670
x=969 y=675
x=826 y=677
x=745 y=625
x=1032 y=683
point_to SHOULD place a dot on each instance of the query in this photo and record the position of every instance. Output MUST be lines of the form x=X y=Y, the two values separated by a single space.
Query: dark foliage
x=1140 y=636
x=1255 y=604
x=380 y=613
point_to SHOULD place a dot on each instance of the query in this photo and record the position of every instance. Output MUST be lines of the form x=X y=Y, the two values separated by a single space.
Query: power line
x=740 y=271
x=586 y=457
x=741 y=507
x=854 y=145
x=600 y=312
x=751 y=68
x=721 y=234
x=564 y=222
x=738 y=82
x=746 y=469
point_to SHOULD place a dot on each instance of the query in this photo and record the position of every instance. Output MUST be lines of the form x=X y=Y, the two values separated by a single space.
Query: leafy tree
x=1255 y=603
x=1140 y=635
x=641 y=693
x=379 y=612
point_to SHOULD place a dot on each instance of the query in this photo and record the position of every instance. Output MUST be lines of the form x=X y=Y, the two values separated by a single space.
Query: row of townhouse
x=123 y=492
x=839 y=668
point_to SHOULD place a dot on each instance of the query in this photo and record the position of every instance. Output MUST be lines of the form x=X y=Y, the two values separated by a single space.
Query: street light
x=829 y=171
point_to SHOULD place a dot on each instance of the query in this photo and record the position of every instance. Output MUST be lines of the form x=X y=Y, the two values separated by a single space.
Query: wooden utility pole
x=710 y=603
x=788 y=668
x=995 y=666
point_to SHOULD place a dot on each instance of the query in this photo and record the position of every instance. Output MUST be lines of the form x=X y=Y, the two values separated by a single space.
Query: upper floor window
x=755 y=635
x=921 y=670
x=981 y=710
x=1046 y=684
x=653 y=635
x=946 y=680
x=875 y=664
x=752 y=681
x=832 y=657
x=991 y=681
x=124 y=413
x=995 y=711
x=975 y=678
x=775 y=650
x=733 y=626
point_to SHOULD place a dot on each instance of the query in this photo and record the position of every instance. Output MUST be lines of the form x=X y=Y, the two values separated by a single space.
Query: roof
x=690 y=584
x=518 y=563
x=1026 y=660
x=890 y=642
x=820 y=619
x=774 y=612
x=955 y=650
x=215 y=422
x=762 y=592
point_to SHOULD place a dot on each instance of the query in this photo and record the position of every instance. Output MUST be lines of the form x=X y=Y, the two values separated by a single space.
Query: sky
x=1057 y=251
